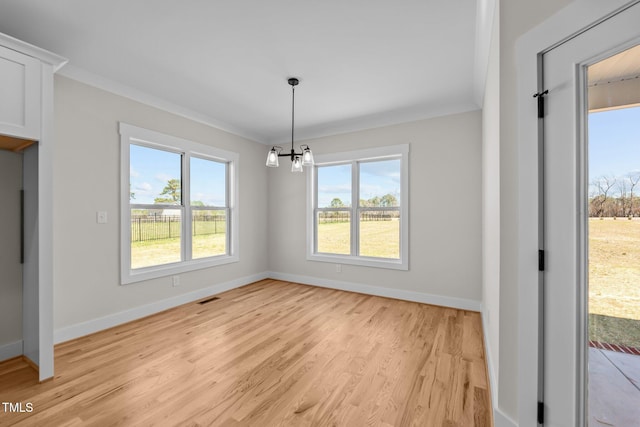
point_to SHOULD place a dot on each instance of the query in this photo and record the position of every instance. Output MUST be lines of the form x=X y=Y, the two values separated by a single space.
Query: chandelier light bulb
x=296 y=165
x=272 y=158
x=307 y=157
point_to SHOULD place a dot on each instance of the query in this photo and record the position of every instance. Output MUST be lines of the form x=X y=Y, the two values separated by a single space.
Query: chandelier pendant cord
x=293 y=110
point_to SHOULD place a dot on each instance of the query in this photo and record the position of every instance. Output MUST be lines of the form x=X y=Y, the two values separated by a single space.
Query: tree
x=388 y=200
x=173 y=190
x=602 y=187
x=132 y=195
x=336 y=203
x=634 y=178
x=622 y=187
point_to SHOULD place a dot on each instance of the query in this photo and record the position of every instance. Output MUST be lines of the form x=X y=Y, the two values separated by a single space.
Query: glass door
x=614 y=240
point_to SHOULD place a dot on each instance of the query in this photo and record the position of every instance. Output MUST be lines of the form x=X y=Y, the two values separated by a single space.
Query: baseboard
x=115 y=319
x=10 y=350
x=461 y=303
x=493 y=383
x=501 y=420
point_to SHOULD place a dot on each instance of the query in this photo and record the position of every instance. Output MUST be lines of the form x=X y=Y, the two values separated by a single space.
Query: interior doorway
x=19 y=247
x=614 y=239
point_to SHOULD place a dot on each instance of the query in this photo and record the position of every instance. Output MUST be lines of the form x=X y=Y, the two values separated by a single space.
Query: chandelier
x=305 y=156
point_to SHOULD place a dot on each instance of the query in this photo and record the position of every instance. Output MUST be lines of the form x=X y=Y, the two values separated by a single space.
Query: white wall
x=445 y=210
x=10 y=267
x=516 y=18
x=87 y=174
x=31 y=308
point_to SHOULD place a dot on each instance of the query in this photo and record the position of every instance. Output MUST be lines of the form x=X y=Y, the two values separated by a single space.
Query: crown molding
x=81 y=75
x=51 y=58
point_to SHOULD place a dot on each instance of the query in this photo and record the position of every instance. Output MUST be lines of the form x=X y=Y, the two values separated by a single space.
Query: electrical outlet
x=101 y=217
x=338 y=268
x=176 y=281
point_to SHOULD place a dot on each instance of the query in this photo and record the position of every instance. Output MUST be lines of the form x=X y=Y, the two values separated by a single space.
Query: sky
x=151 y=169
x=614 y=143
x=376 y=179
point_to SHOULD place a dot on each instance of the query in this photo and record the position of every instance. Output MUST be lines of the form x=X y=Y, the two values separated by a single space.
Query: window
x=178 y=205
x=359 y=209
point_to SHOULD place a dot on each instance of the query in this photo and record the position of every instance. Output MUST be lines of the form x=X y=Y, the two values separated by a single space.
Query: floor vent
x=207 y=300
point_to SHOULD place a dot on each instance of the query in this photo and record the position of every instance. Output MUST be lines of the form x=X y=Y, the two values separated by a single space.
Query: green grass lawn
x=334 y=238
x=614 y=281
x=614 y=330
x=166 y=251
x=377 y=238
x=380 y=239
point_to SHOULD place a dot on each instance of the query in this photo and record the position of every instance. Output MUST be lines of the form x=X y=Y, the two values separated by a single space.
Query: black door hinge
x=540 y=96
x=540 y=260
x=540 y=412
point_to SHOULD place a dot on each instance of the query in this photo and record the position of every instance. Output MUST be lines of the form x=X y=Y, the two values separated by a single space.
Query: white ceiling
x=614 y=82
x=622 y=66
x=361 y=63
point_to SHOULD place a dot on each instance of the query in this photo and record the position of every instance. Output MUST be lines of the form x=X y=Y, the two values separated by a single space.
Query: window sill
x=166 y=270
x=361 y=261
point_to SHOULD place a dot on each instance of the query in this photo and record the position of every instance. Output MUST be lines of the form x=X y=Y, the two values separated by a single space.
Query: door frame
x=38 y=305
x=571 y=21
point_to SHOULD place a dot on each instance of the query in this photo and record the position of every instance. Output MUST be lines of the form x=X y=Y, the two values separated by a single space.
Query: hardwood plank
x=270 y=353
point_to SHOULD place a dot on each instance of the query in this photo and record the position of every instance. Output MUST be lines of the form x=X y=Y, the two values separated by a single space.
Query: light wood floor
x=268 y=354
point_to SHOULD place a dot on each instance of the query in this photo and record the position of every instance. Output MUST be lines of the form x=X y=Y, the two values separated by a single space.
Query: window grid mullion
x=231 y=203
x=315 y=209
x=227 y=188
x=355 y=201
x=227 y=217
x=186 y=240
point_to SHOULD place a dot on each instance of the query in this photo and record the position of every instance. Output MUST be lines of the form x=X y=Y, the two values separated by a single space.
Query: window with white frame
x=359 y=208
x=178 y=199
